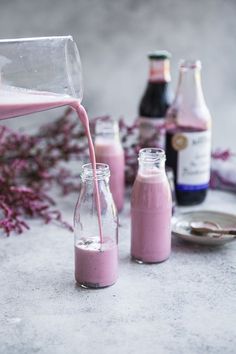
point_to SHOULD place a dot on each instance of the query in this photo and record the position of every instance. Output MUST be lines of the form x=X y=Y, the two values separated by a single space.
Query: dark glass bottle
x=188 y=140
x=155 y=101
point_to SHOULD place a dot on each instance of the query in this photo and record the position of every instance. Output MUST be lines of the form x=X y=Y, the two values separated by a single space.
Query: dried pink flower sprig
x=28 y=167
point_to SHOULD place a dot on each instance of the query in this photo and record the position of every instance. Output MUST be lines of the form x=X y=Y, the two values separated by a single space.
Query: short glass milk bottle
x=96 y=254
x=151 y=209
x=109 y=150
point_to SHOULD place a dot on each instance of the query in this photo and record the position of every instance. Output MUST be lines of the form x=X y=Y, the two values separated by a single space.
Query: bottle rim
x=102 y=171
x=105 y=126
x=159 y=55
x=151 y=155
x=187 y=64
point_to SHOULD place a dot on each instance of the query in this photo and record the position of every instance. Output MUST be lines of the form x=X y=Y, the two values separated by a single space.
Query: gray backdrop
x=114 y=37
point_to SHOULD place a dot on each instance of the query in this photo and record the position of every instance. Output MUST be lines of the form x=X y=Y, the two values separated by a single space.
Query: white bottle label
x=152 y=130
x=159 y=70
x=194 y=159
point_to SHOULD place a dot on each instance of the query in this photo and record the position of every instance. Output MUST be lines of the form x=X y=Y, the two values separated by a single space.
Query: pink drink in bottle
x=96 y=264
x=96 y=261
x=151 y=209
x=109 y=150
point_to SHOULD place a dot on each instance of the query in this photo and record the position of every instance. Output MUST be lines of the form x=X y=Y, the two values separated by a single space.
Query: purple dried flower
x=222 y=154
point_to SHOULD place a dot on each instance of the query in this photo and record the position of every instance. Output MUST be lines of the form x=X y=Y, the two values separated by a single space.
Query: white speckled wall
x=114 y=36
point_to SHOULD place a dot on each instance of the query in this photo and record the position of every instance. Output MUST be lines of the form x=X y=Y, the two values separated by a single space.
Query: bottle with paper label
x=155 y=101
x=188 y=138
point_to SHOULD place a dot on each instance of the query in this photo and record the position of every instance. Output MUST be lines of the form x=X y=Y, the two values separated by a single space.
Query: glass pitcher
x=38 y=74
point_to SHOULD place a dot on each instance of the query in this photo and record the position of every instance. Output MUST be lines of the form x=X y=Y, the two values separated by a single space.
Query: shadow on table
x=182 y=246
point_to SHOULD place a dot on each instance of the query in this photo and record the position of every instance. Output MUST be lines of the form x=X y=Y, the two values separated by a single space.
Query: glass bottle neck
x=102 y=173
x=189 y=88
x=108 y=137
x=151 y=161
x=159 y=70
x=107 y=130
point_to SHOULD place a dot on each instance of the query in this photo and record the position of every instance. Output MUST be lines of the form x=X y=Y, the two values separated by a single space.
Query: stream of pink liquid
x=15 y=102
x=82 y=114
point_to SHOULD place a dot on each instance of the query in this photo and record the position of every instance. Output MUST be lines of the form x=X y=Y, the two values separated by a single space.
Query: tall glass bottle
x=109 y=150
x=96 y=259
x=155 y=101
x=151 y=209
x=188 y=140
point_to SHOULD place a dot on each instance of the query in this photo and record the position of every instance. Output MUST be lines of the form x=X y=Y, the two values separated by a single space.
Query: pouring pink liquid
x=98 y=262
x=16 y=102
x=51 y=62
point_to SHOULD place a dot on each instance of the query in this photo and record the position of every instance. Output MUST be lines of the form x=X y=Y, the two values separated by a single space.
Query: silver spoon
x=204 y=227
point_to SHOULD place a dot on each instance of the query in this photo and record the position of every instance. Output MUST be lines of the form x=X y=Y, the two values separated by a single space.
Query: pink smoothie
x=151 y=209
x=96 y=264
x=16 y=101
x=112 y=154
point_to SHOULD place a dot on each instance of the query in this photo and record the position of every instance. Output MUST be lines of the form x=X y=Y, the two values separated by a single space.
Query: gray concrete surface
x=114 y=37
x=184 y=305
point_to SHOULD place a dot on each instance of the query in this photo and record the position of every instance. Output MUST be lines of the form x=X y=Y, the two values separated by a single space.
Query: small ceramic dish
x=181 y=227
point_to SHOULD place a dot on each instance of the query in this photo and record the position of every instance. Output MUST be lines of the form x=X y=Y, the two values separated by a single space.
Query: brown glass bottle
x=155 y=101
